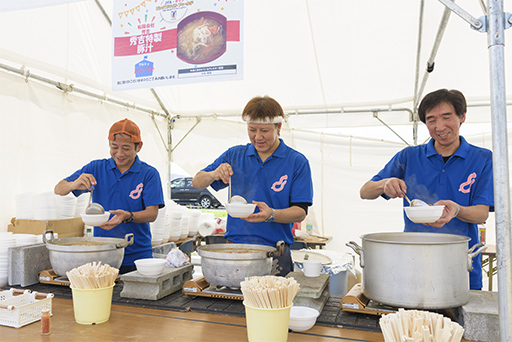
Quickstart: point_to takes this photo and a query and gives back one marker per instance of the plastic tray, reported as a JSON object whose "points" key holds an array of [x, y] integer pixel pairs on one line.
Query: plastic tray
{"points": [[17, 310]]}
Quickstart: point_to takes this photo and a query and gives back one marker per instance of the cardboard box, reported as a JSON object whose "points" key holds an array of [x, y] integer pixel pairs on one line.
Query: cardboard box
{"points": [[64, 228], [353, 279]]}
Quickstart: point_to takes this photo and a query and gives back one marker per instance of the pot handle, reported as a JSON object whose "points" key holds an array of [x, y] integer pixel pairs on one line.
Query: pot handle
{"points": [[279, 250], [128, 240], [471, 254], [48, 231], [358, 249]]}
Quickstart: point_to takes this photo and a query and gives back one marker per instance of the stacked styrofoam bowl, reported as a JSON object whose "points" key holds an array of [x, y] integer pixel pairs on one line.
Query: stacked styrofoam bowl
{"points": [[157, 228], [193, 222], [6, 240], [167, 227], [174, 224], [66, 206], [24, 207], [25, 239], [45, 206], [184, 227]]}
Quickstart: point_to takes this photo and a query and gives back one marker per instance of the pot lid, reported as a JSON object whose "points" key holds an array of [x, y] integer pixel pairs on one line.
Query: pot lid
{"points": [[299, 256]]}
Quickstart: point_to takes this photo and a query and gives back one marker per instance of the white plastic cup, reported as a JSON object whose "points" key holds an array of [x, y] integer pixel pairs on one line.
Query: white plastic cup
{"points": [[312, 268]]}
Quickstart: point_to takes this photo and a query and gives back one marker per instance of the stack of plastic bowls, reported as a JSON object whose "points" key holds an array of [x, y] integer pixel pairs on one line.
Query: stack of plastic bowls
{"points": [[184, 226], [66, 206], [6, 240], [157, 228], [174, 225], [24, 208], [167, 227], [25, 239], [193, 222], [45, 206]]}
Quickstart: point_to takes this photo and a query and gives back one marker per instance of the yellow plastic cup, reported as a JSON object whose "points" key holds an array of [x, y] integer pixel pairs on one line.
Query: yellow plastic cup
{"points": [[92, 306], [269, 325]]}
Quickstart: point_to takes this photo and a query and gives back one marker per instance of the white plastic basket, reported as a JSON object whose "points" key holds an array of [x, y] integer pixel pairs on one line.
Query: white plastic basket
{"points": [[22, 309]]}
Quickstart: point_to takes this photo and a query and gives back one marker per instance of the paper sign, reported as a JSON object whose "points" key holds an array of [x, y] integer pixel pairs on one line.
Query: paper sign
{"points": [[169, 42]]}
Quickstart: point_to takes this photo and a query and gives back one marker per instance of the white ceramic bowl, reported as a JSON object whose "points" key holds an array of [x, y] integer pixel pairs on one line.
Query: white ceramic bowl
{"points": [[150, 266], [95, 220], [241, 210], [302, 318], [428, 214]]}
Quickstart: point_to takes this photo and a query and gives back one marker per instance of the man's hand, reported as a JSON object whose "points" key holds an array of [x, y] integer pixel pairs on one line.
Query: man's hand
{"points": [[118, 218], [262, 215], [395, 187], [223, 172], [450, 210], [84, 182]]}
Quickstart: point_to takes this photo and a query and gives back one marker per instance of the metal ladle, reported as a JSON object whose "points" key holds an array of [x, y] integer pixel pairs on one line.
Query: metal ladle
{"points": [[415, 202], [235, 198], [94, 208]]}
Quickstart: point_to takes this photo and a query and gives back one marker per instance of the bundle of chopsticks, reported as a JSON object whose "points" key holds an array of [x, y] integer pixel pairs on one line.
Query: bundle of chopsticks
{"points": [[269, 292], [92, 276], [419, 326]]}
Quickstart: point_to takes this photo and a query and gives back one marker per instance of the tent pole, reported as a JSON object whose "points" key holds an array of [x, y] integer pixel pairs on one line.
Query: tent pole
{"points": [[495, 40]]}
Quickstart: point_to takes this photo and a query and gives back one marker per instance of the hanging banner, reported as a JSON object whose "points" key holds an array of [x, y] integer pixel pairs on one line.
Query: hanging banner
{"points": [[168, 42]]}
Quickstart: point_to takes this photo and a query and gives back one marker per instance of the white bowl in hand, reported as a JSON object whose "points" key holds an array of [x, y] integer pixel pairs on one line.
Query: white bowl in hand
{"points": [[150, 266], [428, 214], [95, 219], [239, 209], [302, 318]]}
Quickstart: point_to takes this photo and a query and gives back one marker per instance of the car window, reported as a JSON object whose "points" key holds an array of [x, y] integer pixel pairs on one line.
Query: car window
{"points": [[179, 183], [189, 183]]}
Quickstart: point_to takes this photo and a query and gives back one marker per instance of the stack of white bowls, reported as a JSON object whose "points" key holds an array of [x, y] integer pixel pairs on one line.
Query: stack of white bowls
{"points": [[45, 206], [184, 226], [24, 209], [66, 206], [193, 222], [167, 227], [81, 203], [25, 239], [157, 228], [6, 240], [174, 224]]}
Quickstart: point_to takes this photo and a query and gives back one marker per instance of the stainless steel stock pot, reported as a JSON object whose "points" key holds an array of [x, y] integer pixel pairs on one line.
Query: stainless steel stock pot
{"points": [[416, 270]]}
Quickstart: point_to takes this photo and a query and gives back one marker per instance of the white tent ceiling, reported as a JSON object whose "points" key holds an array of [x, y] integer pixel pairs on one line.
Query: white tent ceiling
{"points": [[344, 58]]}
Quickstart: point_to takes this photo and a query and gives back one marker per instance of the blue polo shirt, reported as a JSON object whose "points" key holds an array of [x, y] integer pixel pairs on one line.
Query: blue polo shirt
{"points": [[466, 178], [284, 178], [136, 189]]}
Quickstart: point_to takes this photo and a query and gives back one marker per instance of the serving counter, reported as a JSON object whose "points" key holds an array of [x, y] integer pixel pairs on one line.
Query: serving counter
{"points": [[132, 323]]}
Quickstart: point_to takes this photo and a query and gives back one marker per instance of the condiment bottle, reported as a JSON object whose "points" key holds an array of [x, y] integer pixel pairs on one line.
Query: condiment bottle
{"points": [[45, 322], [309, 228]]}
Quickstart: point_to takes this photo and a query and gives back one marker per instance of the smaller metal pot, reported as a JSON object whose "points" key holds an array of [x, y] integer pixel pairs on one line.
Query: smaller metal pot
{"points": [[230, 268], [72, 252]]}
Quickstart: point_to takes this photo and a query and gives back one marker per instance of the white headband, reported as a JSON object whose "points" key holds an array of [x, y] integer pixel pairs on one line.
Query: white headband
{"points": [[275, 120]]}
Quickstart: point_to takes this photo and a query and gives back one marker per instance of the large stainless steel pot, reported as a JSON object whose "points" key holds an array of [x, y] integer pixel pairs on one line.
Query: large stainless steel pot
{"points": [[223, 268], [71, 252], [416, 270]]}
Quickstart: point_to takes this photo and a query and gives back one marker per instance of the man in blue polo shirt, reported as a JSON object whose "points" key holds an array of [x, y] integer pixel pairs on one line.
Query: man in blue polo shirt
{"points": [[446, 171], [270, 174], [128, 188]]}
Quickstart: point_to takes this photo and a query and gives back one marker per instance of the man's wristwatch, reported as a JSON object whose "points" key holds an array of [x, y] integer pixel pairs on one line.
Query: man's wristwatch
{"points": [[271, 217], [130, 219]]}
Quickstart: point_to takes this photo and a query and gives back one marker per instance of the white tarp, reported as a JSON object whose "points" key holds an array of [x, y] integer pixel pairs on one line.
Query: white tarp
{"points": [[309, 55]]}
